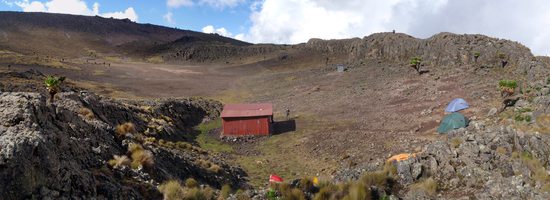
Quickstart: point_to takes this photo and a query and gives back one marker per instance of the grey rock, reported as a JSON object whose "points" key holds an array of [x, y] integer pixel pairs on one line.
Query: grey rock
{"points": [[492, 112]]}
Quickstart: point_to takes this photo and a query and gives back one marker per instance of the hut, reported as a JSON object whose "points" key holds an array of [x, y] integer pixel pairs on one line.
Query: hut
{"points": [[247, 119]]}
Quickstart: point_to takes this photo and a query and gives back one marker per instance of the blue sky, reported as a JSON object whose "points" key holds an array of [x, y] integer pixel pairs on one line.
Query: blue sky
{"points": [[234, 17], [296, 21]]}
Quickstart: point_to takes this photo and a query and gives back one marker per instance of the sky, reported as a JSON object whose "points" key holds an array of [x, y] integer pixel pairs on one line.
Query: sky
{"points": [[296, 21]]}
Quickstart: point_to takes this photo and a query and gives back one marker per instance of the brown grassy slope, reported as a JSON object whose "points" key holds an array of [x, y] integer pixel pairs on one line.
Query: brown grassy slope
{"points": [[72, 35]]}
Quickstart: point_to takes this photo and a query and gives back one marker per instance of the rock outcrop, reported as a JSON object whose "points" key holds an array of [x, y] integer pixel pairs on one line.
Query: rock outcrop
{"points": [[57, 151]]}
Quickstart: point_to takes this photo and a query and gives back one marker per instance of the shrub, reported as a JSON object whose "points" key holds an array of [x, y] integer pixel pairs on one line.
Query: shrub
{"points": [[429, 186], [86, 113], [507, 87], [477, 54], [171, 190], [143, 158], [519, 118], [214, 168], [126, 128], [508, 83], [119, 161], [133, 147], [415, 61], [53, 84], [194, 194], [203, 163], [191, 183]]}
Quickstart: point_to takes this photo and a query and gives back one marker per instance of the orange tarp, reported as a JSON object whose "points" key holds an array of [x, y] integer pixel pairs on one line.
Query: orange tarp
{"points": [[402, 157]]}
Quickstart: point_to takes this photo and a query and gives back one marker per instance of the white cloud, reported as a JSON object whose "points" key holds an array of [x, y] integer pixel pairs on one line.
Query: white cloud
{"points": [[222, 31], [169, 17], [34, 6], [76, 7], [178, 3], [296, 21], [129, 13], [221, 3]]}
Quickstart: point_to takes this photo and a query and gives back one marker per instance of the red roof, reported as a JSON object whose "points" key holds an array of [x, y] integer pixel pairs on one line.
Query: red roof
{"points": [[247, 110]]}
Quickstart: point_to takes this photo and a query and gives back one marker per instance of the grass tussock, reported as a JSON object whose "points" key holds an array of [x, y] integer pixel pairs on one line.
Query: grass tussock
{"points": [[225, 192], [429, 186], [86, 113], [119, 162], [191, 183], [171, 190], [456, 142], [214, 168], [174, 190], [140, 156], [124, 129], [361, 189]]}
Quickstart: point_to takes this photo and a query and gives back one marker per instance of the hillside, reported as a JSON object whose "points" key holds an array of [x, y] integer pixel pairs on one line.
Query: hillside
{"points": [[59, 35], [342, 127]]}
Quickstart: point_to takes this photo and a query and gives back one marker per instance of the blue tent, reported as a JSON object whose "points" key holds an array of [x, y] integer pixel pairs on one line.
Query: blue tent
{"points": [[456, 105]]}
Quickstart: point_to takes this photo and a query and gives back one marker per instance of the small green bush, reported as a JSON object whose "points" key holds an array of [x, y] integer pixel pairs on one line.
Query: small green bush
{"points": [[519, 118], [415, 61], [477, 54], [508, 83]]}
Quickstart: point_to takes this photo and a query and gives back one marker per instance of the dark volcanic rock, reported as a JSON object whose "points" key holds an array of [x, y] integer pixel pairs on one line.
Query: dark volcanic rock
{"points": [[51, 151]]}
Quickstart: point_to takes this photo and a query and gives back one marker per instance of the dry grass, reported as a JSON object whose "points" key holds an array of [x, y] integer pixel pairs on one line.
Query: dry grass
{"points": [[124, 129], [119, 162], [225, 192], [191, 183], [429, 186], [501, 150], [86, 113], [171, 190], [456, 142], [203, 163], [214, 168], [142, 158]]}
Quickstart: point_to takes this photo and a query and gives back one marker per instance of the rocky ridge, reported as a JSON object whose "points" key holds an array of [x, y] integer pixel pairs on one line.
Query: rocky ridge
{"points": [[58, 151]]}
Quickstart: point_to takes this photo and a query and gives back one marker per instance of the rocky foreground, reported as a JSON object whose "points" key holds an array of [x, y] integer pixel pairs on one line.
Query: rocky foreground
{"points": [[62, 150], [65, 150]]}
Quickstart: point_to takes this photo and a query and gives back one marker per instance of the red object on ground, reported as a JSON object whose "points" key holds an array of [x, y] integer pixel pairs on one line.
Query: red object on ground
{"points": [[275, 179], [247, 119]]}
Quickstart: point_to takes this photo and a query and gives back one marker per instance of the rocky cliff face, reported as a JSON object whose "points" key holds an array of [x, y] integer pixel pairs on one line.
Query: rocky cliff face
{"points": [[59, 151]]}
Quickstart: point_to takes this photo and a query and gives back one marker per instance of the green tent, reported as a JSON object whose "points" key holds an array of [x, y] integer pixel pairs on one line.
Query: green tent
{"points": [[452, 121]]}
